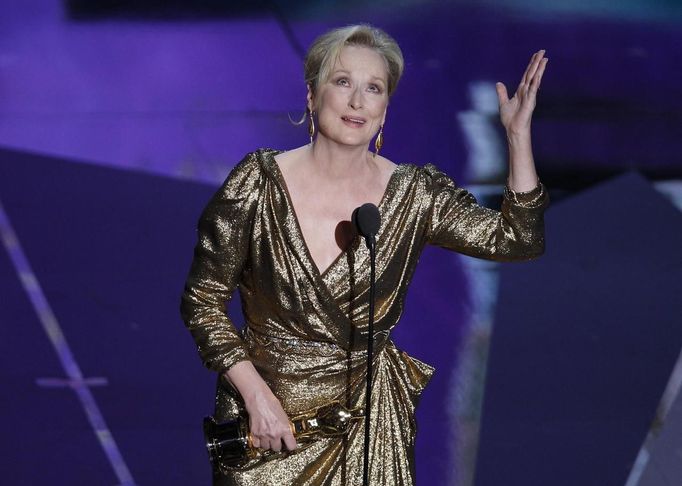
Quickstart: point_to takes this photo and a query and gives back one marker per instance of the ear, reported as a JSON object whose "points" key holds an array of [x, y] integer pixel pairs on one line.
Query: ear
{"points": [[310, 104], [383, 118]]}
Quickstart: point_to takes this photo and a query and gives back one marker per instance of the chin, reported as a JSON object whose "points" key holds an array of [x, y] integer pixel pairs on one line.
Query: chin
{"points": [[350, 141], [355, 143]]}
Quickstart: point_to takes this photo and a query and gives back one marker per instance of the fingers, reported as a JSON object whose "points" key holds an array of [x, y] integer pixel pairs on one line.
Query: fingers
{"points": [[269, 424], [525, 77], [533, 66], [537, 62], [276, 444], [274, 438], [289, 441], [502, 94], [535, 84]]}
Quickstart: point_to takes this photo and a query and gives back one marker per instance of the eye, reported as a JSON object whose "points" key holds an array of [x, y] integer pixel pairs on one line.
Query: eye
{"points": [[342, 82], [374, 88]]}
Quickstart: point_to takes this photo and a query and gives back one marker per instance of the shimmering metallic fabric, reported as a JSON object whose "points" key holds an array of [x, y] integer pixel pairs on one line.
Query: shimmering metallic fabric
{"points": [[307, 331]]}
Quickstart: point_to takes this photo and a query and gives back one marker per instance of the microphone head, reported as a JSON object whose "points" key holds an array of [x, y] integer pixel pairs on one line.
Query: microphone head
{"points": [[367, 219]]}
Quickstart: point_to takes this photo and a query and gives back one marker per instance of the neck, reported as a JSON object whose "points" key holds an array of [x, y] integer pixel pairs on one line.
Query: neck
{"points": [[339, 161]]}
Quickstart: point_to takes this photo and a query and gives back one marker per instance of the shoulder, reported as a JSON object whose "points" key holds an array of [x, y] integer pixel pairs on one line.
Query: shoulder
{"points": [[436, 180], [428, 175], [434, 174], [240, 192], [252, 164], [248, 174], [424, 172], [385, 164], [243, 183], [288, 161], [435, 184]]}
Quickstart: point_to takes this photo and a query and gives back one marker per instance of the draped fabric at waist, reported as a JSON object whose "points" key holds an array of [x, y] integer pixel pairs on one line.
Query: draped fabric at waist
{"points": [[305, 374], [324, 348]]}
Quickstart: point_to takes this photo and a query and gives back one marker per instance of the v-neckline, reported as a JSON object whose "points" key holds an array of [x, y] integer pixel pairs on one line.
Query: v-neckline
{"points": [[285, 189]]}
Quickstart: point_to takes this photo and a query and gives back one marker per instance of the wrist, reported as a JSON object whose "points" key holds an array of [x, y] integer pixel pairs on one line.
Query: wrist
{"points": [[518, 138], [257, 392], [245, 378]]}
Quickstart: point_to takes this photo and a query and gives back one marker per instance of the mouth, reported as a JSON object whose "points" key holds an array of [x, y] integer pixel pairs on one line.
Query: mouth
{"points": [[356, 121]]}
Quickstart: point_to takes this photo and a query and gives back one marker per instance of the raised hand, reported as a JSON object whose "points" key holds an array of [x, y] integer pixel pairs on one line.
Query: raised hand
{"points": [[516, 113]]}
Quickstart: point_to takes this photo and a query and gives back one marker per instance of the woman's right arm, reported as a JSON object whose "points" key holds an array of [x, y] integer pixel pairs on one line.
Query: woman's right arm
{"points": [[220, 256], [219, 259]]}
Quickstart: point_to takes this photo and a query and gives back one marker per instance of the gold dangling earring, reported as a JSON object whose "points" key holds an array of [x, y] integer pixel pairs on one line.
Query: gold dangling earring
{"points": [[311, 126], [379, 142]]}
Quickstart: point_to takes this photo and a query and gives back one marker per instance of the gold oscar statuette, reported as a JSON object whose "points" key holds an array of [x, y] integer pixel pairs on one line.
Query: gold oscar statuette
{"points": [[229, 443]]}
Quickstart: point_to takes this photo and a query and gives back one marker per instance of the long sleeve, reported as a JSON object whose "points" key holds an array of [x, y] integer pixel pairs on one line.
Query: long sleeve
{"points": [[219, 258], [457, 222]]}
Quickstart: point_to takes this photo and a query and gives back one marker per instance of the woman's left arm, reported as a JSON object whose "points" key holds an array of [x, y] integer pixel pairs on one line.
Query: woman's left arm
{"points": [[516, 232], [516, 113]]}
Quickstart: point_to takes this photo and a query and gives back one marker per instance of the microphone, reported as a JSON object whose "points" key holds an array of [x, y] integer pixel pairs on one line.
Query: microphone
{"points": [[367, 220]]}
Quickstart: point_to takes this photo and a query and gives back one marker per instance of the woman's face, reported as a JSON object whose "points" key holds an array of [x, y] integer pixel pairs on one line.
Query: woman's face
{"points": [[351, 105]]}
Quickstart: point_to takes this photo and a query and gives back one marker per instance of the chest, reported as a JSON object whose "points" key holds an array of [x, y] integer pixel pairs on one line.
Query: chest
{"points": [[323, 208], [324, 218]]}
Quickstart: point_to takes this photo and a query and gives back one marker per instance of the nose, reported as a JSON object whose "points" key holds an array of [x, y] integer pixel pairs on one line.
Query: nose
{"points": [[355, 100]]}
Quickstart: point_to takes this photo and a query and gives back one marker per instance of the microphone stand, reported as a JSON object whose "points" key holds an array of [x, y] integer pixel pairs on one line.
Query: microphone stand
{"points": [[367, 220], [371, 243]]}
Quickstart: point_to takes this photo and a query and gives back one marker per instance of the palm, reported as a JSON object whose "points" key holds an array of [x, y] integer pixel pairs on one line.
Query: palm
{"points": [[516, 112]]}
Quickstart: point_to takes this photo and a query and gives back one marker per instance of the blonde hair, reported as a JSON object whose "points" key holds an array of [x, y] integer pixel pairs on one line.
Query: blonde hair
{"points": [[326, 49]]}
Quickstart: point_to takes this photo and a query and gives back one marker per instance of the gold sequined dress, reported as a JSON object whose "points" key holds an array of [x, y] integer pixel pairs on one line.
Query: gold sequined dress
{"points": [[306, 331]]}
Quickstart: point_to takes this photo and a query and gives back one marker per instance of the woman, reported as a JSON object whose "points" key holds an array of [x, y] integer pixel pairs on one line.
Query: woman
{"points": [[279, 230]]}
